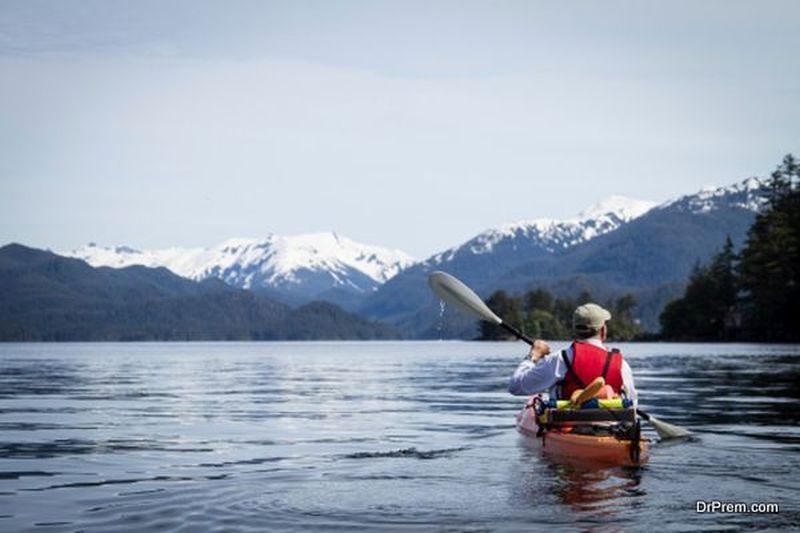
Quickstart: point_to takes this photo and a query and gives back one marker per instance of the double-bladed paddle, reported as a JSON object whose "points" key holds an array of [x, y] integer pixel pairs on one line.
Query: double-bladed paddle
{"points": [[452, 291]]}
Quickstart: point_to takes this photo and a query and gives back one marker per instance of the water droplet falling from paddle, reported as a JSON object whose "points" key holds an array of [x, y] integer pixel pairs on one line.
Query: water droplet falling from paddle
{"points": [[440, 326]]}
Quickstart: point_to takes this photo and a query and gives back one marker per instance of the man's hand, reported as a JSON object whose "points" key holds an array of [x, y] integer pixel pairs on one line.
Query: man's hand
{"points": [[539, 350]]}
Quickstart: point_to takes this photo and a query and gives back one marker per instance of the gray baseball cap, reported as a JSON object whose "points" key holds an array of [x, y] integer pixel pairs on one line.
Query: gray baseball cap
{"points": [[589, 316]]}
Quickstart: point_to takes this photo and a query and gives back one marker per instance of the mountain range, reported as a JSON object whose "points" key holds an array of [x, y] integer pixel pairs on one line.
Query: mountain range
{"points": [[47, 297], [325, 266], [615, 247], [294, 270], [489, 255]]}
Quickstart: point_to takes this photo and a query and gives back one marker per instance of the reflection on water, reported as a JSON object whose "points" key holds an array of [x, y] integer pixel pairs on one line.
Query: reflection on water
{"points": [[597, 494], [266, 436], [586, 489]]}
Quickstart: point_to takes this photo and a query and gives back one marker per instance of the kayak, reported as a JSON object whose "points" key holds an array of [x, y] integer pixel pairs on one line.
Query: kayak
{"points": [[603, 433]]}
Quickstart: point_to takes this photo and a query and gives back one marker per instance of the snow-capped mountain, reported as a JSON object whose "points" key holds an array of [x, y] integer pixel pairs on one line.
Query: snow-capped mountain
{"points": [[494, 252], [619, 246], [554, 235], [750, 194], [299, 268]]}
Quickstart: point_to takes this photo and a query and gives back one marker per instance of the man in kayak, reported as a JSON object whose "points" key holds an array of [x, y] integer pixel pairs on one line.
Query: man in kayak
{"points": [[587, 358]]}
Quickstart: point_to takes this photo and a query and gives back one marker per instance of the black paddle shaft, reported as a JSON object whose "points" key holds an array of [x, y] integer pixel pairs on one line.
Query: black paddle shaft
{"points": [[517, 333]]}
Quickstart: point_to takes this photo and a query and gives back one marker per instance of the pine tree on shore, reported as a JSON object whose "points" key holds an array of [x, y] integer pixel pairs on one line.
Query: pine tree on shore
{"points": [[755, 296], [770, 263], [706, 309]]}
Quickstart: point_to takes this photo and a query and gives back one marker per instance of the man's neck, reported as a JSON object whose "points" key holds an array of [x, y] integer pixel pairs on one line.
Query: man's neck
{"points": [[596, 341]]}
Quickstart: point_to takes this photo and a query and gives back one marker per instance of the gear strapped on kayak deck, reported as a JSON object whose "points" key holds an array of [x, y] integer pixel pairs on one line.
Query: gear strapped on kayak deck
{"points": [[604, 431]]}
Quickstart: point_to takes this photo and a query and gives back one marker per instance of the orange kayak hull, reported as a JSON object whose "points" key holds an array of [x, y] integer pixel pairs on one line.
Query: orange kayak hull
{"points": [[603, 450]]}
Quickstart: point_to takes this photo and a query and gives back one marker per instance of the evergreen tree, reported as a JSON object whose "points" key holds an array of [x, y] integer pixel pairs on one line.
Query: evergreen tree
{"points": [[704, 312], [540, 321], [758, 298], [768, 271], [543, 324], [563, 309], [723, 276], [623, 326], [585, 297], [538, 299], [783, 179]]}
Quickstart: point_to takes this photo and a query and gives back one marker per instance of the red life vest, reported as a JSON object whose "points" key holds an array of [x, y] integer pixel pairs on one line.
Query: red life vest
{"points": [[588, 363]]}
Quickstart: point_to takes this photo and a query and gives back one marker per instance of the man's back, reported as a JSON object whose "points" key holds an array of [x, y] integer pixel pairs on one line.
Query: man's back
{"points": [[549, 371], [587, 358]]}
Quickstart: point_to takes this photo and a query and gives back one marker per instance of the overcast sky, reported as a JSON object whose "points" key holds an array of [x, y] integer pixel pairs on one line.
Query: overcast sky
{"points": [[412, 125]]}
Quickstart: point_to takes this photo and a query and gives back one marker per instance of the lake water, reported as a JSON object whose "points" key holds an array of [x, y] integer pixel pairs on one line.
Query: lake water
{"points": [[349, 436]]}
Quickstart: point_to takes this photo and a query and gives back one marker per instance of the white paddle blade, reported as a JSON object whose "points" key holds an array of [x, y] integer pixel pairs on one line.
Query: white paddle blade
{"points": [[668, 431], [455, 293]]}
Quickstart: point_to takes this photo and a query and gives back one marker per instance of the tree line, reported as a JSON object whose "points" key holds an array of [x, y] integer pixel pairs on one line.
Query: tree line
{"points": [[541, 315], [752, 295]]}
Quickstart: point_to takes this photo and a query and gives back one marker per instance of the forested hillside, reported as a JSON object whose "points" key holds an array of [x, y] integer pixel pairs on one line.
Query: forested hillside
{"points": [[755, 294], [52, 298]]}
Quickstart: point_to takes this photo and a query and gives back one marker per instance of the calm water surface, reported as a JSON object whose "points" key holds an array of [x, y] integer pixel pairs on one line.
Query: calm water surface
{"points": [[404, 436]]}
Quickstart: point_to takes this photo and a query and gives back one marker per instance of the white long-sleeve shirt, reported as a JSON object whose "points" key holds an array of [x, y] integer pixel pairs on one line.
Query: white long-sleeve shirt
{"points": [[542, 376]]}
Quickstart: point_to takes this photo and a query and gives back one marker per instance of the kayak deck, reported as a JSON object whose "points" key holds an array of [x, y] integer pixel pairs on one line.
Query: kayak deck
{"points": [[593, 449]]}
